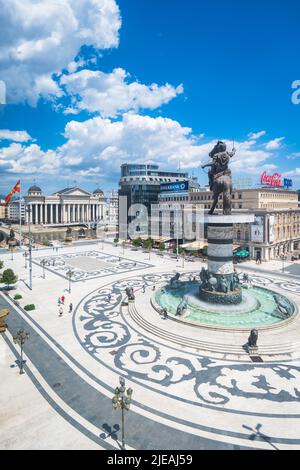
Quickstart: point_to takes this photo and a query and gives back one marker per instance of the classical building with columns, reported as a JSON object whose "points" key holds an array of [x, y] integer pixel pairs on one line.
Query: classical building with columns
{"points": [[68, 206]]}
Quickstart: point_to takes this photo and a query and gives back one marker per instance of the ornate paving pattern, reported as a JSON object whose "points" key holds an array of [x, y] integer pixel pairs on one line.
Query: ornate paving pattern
{"points": [[89, 265], [248, 388]]}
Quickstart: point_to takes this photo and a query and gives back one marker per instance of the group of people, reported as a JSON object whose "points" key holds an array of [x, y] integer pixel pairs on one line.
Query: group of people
{"points": [[61, 302]]}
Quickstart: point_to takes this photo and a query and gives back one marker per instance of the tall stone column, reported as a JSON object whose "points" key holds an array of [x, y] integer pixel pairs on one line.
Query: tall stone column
{"points": [[220, 240]]}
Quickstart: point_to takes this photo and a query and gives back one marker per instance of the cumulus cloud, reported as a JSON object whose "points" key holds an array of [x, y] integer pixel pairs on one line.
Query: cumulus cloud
{"points": [[275, 144], [256, 135], [41, 38], [98, 146], [16, 136], [111, 94]]}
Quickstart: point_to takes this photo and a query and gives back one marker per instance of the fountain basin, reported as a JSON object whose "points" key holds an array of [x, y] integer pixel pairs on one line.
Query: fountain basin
{"points": [[258, 307]]}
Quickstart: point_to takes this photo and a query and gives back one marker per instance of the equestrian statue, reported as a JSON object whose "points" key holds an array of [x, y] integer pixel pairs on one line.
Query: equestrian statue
{"points": [[220, 181]]}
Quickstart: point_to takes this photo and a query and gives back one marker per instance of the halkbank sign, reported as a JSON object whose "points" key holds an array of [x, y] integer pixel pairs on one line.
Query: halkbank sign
{"points": [[175, 187]]}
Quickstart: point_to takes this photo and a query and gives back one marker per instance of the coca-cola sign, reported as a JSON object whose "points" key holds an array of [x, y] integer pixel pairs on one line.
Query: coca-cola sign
{"points": [[270, 180]]}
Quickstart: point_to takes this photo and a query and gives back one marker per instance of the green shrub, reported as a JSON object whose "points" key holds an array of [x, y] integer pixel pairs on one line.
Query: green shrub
{"points": [[1, 264], [29, 307], [8, 277], [148, 244], [137, 242], [18, 297], [162, 247]]}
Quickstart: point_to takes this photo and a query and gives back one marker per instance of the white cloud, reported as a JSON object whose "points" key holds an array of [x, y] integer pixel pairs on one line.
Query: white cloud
{"points": [[275, 144], [40, 38], [111, 94], [99, 146], [256, 135], [16, 136]]}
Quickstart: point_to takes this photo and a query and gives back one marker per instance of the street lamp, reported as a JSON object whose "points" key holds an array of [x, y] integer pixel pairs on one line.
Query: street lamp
{"points": [[20, 337], [283, 257], [28, 210], [25, 259], [43, 263], [122, 401], [69, 275]]}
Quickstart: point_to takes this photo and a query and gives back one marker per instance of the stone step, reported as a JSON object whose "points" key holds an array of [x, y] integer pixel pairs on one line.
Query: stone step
{"points": [[267, 349]]}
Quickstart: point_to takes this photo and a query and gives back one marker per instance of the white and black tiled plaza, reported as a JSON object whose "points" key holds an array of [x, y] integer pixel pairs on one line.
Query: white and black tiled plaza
{"points": [[185, 396]]}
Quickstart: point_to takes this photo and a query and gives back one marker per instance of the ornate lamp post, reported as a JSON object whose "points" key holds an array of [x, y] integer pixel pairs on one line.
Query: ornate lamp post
{"points": [[69, 275], [121, 401], [20, 338], [43, 264]]}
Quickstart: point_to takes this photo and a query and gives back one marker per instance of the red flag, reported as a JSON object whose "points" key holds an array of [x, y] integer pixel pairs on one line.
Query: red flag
{"points": [[15, 189]]}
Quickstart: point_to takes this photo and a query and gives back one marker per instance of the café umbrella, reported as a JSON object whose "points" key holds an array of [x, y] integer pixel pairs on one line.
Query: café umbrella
{"points": [[242, 254]]}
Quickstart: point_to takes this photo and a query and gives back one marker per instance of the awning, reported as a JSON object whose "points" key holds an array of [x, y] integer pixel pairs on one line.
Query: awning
{"points": [[236, 247], [242, 254], [156, 238], [196, 245]]}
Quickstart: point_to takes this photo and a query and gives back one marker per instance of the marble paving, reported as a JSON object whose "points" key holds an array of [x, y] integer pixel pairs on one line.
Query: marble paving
{"points": [[182, 398], [89, 264]]}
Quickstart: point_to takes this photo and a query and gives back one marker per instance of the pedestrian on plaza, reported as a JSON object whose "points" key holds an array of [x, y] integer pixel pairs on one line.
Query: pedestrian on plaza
{"points": [[153, 288], [144, 289], [119, 259], [59, 301], [165, 314], [109, 297], [60, 311], [71, 308], [63, 299]]}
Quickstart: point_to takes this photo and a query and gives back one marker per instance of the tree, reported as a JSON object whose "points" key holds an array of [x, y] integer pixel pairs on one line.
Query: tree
{"points": [[147, 244], [137, 242], [1, 264], [8, 277]]}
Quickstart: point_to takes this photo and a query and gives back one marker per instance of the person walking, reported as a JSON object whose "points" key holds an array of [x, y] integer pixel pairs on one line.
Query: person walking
{"points": [[60, 311], [109, 297], [71, 308], [63, 299], [144, 289], [59, 301]]}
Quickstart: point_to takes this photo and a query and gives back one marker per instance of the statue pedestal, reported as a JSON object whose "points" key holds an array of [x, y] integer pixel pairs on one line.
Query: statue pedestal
{"points": [[220, 240], [223, 286]]}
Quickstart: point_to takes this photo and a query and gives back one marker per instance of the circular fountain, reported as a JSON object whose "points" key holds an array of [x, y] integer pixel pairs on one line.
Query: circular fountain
{"points": [[222, 297], [259, 307]]}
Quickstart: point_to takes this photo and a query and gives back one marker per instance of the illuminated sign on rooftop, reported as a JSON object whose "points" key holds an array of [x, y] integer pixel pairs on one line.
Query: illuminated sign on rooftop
{"points": [[275, 180]]}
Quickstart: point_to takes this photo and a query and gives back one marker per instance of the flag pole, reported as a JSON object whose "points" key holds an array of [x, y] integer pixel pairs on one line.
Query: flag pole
{"points": [[20, 215]]}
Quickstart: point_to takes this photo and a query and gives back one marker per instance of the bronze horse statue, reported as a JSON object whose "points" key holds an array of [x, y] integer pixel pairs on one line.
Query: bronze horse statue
{"points": [[220, 181]]}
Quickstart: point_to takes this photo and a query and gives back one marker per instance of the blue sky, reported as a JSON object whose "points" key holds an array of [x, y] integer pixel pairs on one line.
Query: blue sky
{"points": [[80, 101]]}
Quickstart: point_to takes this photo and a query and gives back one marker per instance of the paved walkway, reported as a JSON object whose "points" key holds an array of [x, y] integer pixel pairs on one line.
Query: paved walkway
{"points": [[181, 399]]}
